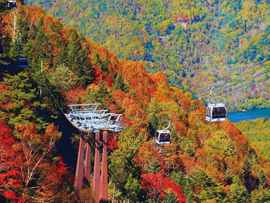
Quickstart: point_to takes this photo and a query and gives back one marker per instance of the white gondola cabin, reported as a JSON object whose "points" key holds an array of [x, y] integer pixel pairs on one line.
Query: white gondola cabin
{"points": [[216, 112], [163, 137], [12, 4], [23, 62]]}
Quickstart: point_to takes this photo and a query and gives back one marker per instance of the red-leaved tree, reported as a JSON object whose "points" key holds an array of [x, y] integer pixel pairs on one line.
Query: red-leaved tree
{"points": [[158, 186], [10, 180]]}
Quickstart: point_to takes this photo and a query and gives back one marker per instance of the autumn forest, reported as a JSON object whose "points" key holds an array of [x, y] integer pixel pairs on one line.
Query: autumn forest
{"points": [[145, 82], [196, 43]]}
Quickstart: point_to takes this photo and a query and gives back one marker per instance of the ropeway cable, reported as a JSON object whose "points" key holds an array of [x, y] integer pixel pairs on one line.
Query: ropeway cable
{"points": [[54, 98]]}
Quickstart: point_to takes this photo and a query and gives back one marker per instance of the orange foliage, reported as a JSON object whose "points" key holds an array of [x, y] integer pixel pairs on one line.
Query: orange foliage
{"points": [[126, 102], [180, 128], [114, 62], [75, 95], [240, 141], [48, 19], [196, 117], [265, 165], [170, 157], [233, 166], [215, 168], [163, 94], [136, 77], [183, 100], [230, 129], [187, 162], [102, 52], [146, 154], [159, 78]]}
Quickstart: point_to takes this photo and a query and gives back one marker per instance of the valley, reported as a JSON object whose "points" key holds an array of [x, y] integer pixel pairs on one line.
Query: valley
{"points": [[196, 43]]}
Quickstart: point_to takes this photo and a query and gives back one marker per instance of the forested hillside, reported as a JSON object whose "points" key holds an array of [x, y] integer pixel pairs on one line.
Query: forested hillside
{"points": [[198, 43], [258, 131], [206, 162]]}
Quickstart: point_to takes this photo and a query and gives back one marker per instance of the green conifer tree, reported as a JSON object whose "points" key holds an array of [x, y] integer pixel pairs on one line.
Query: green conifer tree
{"points": [[154, 166], [170, 198], [14, 50], [153, 124], [193, 106], [23, 29], [260, 195], [119, 84], [101, 95], [38, 48], [21, 100], [96, 60], [77, 59], [210, 189], [188, 189], [238, 192], [262, 178]]}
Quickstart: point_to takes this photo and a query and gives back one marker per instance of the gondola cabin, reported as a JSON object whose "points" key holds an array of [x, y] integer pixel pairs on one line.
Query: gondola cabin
{"points": [[12, 4], [23, 63], [163, 137], [216, 112]]}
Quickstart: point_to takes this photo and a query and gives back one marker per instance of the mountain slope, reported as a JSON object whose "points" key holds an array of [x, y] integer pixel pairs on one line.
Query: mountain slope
{"points": [[205, 162], [201, 43], [258, 132]]}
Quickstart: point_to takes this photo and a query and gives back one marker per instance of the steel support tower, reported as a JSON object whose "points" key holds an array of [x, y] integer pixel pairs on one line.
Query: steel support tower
{"points": [[86, 118]]}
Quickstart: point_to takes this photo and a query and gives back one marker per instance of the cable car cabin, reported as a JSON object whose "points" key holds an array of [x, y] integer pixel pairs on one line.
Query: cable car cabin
{"points": [[216, 112], [163, 137], [12, 4], [23, 62]]}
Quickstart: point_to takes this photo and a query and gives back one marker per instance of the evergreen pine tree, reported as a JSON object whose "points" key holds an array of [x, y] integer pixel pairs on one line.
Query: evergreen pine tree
{"points": [[96, 60], [260, 195], [38, 48], [74, 48], [193, 106], [238, 192], [14, 50], [262, 178], [210, 189], [119, 84], [19, 100], [104, 65], [154, 166], [190, 197], [101, 95], [179, 178], [188, 189], [170, 198], [23, 29], [6, 44], [63, 55], [247, 165], [77, 59], [153, 124], [27, 47]]}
